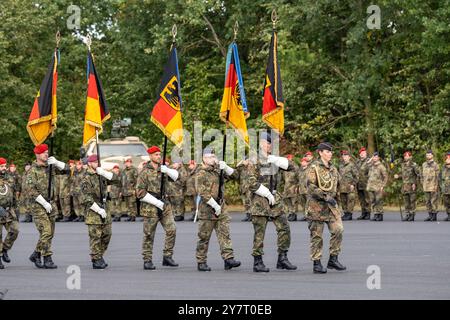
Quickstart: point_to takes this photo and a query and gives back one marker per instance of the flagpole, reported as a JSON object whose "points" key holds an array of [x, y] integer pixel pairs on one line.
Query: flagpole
{"points": [[274, 30], [100, 180]]}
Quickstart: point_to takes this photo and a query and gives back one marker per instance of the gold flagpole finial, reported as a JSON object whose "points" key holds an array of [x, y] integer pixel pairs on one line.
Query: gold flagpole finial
{"points": [[236, 28], [174, 32], [274, 18], [58, 38], [89, 41]]}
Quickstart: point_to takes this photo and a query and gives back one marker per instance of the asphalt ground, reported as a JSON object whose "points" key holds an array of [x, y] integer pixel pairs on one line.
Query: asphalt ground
{"points": [[411, 260]]}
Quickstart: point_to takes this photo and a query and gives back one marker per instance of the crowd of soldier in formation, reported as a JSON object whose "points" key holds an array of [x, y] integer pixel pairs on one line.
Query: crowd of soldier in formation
{"points": [[273, 189]]}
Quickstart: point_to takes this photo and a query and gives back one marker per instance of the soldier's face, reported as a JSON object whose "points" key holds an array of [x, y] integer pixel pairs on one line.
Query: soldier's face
{"points": [[346, 158], [304, 164], [309, 157], [429, 156], [2, 168], [43, 157], [376, 159], [128, 164], [447, 160], [407, 157], [156, 157], [326, 155], [93, 165], [27, 167], [116, 171], [210, 160], [79, 166], [266, 147], [12, 169], [363, 154]]}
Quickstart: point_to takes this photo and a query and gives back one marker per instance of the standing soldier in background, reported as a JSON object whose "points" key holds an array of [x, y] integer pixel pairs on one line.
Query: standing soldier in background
{"points": [[363, 166], [302, 187], [8, 217], [129, 179], [17, 185], [190, 188], [378, 179], [23, 205], [115, 196], [430, 175], [213, 215], [445, 184], [43, 209], [309, 156], [410, 180], [64, 193], [290, 190], [175, 190], [322, 208], [243, 172], [76, 191], [348, 179]]}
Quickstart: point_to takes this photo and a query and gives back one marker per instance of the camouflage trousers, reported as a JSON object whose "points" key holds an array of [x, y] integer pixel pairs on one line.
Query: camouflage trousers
{"points": [[447, 203], [364, 201], [130, 206], [316, 237], [301, 203], [170, 229], [222, 228], [431, 201], [246, 202], [12, 231], [409, 201], [99, 237], [115, 207], [177, 204], [290, 205], [46, 228], [282, 229], [64, 202], [347, 201], [376, 201], [190, 201]]}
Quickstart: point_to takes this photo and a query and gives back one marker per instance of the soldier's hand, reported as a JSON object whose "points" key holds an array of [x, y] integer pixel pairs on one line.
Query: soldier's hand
{"points": [[352, 188], [53, 161], [331, 201], [102, 213], [47, 206], [271, 199], [396, 176]]}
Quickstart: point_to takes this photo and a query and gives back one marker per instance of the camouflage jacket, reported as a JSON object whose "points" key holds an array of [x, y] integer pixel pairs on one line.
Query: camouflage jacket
{"points": [[7, 198], [363, 173], [129, 178], [302, 180], [445, 179], [77, 180], [322, 183], [430, 176], [348, 176], [410, 176], [149, 180], [64, 185], [176, 188], [290, 182], [244, 174], [115, 189], [190, 181], [90, 187], [207, 187], [378, 177], [37, 184]]}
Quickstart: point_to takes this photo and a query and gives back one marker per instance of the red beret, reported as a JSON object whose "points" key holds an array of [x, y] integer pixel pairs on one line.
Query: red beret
{"points": [[309, 153], [71, 161], [129, 160], [191, 162], [344, 153], [116, 167], [362, 149], [2, 161], [41, 148], [407, 153], [92, 158], [153, 149], [290, 156], [304, 159], [12, 165]]}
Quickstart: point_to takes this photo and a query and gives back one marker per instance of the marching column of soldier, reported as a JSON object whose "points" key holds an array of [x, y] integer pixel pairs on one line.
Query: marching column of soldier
{"points": [[272, 189]]}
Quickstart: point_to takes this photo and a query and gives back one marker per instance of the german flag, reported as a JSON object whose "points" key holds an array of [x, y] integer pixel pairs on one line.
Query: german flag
{"points": [[166, 113], [96, 108], [273, 102], [234, 105], [43, 116]]}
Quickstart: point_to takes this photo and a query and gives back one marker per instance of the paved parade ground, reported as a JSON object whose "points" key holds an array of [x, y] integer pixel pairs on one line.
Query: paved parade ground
{"points": [[413, 261]]}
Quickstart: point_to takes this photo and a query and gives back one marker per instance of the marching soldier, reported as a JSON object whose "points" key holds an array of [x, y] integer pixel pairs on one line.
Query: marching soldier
{"points": [[129, 179], [410, 180], [156, 210], [290, 192], [64, 193], [189, 194], [43, 209], [430, 184], [23, 205], [212, 214], [175, 190], [8, 217], [445, 184], [322, 208], [266, 206], [97, 218], [302, 188], [243, 173], [378, 179], [348, 174], [115, 196], [309, 156], [76, 192], [363, 166]]}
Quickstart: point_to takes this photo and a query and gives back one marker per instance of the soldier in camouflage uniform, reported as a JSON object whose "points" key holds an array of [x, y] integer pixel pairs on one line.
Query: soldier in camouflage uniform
{"points": [[43, 209], [189, 194], [17, 187], [266, 205], [154, 209], [97, 218], [8, 218], [410, 180], [129, 179], [213, 213], [430, 184], [64, 194], [76, 192], [378, 179], [290, 190], [243, 173], [23, 206], [302, 188], [309, 156], [115, 196], [445, 185], [363, 166], [348, 179], [322, 208], [175, 190]]}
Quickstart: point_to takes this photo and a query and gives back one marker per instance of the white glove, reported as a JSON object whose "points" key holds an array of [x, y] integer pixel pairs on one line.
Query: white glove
{"points": [[213, 203], [172, 173], [264, 192], [223, 166], [59, 164], [47, 206], [96, 208], [152, 200], [100, 171], [280, 162]]}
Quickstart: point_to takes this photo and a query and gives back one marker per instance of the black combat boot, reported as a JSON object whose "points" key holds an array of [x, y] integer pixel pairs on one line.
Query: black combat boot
{"points": [[98, 264], [284, 263], [407, 217], [434, 216], [131, 219], [302, 218], [1, 265], [103, 262], [116, 219], [5, 256], [66, 219], [36, 259], [231, 263], [411, 217], [179, 218], [375, 217], [430, 217], [169, 262], [333, 263], [191, 218], [203, 267], [247, 217], [292, 217], [28, 218], [347, 216], [148, 265], [380, 217], [318, 268], [258, 265], [48, 263]]}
